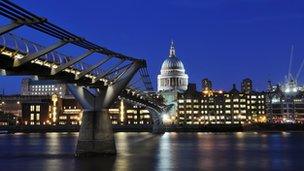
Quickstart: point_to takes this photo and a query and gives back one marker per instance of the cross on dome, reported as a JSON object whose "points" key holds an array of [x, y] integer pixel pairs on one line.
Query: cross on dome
{"points": [[172, 50]]}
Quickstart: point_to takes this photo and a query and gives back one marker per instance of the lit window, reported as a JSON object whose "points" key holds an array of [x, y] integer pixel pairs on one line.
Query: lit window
{"points": [[32, 108], [32, 117], [37, 117], [180, 101], [37, 108]]}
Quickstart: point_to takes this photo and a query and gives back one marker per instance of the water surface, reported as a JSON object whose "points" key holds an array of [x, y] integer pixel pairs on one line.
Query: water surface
{"points": [[171, 151]]}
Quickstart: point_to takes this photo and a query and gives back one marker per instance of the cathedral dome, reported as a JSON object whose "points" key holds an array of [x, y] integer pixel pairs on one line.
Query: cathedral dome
{"points": [[172, 74], [172, 63]]}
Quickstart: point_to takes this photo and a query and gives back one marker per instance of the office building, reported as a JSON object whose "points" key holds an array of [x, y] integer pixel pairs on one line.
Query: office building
{"points": [[219, 107], [34, 87], [122, 113]]}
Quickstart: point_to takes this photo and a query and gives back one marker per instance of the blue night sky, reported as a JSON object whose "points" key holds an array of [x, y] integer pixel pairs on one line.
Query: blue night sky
{"points": [[223, 40]]}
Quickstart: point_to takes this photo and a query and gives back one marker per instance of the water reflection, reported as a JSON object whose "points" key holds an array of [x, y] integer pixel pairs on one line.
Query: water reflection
{"points": [[171, 151], [165, 159]]}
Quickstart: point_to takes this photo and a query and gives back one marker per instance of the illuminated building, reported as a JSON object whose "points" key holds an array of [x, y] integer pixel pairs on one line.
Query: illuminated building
{"points": [[7, 119], [218, 107], [71, 112], [285, 103], [172, 74], [11, 104], [42, 110], [172, 80], [14, 104], [36, 111], [43, 88], [63, 110], [122, 113]]}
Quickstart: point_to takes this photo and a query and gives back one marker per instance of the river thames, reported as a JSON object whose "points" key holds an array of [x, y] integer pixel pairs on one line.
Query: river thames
{"points": [[171, 151]]}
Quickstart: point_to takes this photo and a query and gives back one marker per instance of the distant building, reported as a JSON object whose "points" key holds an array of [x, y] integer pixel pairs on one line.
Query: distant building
{"points": [[246, 86], [172, 80], [172, 74], [206, 85], [13, 103], [42, 110], [37, 112], [285, 103], [122, 113], [71, 112], [218, 107], [7, 119], [53, 110], [33, 87]]}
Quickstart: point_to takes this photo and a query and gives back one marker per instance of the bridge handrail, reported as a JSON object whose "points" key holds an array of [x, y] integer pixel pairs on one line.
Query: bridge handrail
{"points": [[12, 42]]}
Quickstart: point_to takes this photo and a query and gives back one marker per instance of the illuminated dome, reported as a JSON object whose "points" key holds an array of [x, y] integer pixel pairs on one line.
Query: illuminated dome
{"points": [[172, 74], [172, 63]]}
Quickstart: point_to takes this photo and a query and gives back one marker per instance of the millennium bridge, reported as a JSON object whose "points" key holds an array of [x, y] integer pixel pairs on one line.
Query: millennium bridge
{"points": [[96, 86]]}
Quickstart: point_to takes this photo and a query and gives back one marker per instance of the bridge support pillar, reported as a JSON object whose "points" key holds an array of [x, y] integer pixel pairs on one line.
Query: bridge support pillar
{"points": [[96, 135], [158, 125]]}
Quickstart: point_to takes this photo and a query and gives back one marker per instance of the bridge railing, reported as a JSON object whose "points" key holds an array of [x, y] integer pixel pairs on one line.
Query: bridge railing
{"points": [[22, 47]]}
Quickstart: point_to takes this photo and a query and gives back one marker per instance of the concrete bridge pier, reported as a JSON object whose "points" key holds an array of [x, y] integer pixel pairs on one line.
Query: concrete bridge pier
{"points": [[96, 133]]}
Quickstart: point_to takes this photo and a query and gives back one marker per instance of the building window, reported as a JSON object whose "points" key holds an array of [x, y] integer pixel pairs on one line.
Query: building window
{"points": [[32, 117], [180, 101], [63, 117], [227, 111], [38, 117], [32, 108], [37, 108]]}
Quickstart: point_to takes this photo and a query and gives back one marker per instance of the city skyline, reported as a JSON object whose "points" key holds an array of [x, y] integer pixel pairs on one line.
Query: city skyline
{"points": [[248, 39], [227, 76]]}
